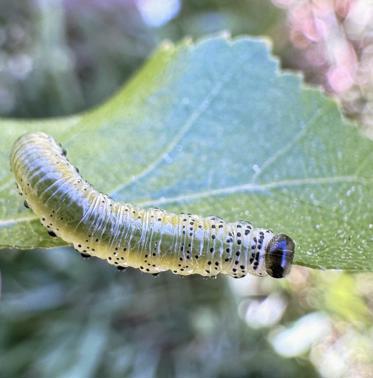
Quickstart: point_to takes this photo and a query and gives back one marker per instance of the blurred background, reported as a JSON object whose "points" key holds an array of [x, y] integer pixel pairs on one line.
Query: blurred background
{"points": [[62, 316]]}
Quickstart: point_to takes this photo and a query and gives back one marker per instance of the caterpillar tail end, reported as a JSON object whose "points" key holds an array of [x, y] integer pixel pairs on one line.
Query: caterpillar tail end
{"points": [[279, 256]]}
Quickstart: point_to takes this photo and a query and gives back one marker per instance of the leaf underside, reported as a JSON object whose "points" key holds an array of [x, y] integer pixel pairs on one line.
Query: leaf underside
{"points": [[214, 128]]}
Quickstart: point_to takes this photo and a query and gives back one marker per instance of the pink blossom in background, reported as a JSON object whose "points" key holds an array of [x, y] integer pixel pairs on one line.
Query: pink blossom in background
{"points": [[335, 41], [339, 79], [342, 7]]}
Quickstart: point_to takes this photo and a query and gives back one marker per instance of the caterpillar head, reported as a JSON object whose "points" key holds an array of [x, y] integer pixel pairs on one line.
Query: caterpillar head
{"points": [[279, 256]]}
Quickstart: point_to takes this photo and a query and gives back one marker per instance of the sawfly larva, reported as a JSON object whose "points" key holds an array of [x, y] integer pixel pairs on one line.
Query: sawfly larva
{"points": [[149, 239]]}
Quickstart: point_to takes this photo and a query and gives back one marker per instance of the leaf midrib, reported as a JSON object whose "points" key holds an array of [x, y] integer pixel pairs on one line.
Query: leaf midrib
{"points": [[248, 187]]}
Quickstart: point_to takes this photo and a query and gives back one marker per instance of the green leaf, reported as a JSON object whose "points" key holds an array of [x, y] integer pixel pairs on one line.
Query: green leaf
{"points": [[215, 128]]}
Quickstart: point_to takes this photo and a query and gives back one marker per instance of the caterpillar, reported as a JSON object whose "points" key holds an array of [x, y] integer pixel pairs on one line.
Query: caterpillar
{"points": [[149, 239]]}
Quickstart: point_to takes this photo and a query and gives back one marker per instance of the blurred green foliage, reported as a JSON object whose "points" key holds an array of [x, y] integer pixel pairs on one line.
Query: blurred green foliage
{"points": [[61, 316], [63, 57]]}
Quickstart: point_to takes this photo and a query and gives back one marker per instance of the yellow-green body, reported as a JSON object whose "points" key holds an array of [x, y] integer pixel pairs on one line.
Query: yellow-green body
{"points": [[151, 240]]}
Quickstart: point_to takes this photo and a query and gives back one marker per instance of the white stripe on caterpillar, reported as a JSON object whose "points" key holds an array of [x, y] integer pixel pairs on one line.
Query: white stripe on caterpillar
{"points": [[151, 240]]}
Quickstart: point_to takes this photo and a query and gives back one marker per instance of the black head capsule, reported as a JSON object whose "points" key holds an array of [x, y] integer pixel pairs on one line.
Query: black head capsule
{"points": [[279, 256]]}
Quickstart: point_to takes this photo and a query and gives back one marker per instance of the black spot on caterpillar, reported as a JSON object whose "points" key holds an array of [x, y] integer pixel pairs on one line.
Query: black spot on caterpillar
{"points": [[51, 233], [151, 240]]}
